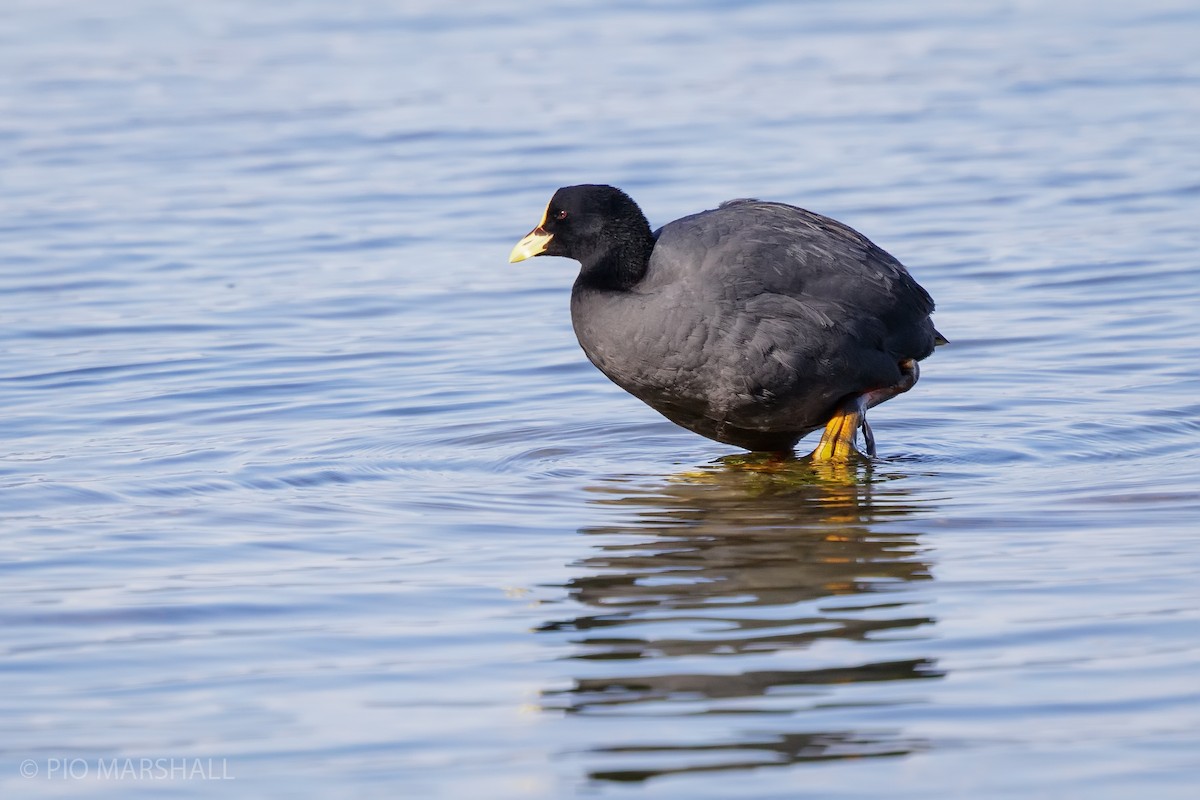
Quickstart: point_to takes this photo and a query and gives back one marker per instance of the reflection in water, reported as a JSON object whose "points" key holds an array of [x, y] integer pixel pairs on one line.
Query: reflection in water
{"points": [[744, 593]]}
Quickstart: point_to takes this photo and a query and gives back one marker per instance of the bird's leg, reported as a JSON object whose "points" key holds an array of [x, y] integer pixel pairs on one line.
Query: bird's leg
{"points": [[868, 436], [837, 442], [909, 374]]}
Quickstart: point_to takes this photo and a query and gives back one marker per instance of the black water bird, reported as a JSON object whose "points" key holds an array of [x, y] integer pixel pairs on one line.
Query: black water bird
{"points": [[753, 324]]}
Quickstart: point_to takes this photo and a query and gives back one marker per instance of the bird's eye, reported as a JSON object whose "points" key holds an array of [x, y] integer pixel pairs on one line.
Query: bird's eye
{"points": [[561, 215]]}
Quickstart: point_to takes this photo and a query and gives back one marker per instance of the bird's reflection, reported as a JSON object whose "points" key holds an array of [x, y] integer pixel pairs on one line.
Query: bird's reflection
{"points": [[743, 593]]}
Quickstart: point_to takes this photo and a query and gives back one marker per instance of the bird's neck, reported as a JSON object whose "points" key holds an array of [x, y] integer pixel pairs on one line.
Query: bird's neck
{"points": [[620, 267]]}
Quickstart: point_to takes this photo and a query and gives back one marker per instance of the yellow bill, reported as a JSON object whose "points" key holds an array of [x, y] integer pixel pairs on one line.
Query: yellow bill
{"points": [[536, 241]]}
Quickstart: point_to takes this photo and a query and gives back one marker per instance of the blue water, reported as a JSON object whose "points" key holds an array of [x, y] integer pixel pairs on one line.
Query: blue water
{"points": [[302, 482]]}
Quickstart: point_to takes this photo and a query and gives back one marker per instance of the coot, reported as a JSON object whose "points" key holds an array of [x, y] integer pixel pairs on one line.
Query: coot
{"points": [[753, 324]]}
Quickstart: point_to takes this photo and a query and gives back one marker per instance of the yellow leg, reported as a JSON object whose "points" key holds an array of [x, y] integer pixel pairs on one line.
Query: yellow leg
{"points": [[837, 442]]}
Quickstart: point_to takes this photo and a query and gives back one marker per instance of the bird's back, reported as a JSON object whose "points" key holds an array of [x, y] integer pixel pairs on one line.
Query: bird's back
{"points": [[746, 248]]}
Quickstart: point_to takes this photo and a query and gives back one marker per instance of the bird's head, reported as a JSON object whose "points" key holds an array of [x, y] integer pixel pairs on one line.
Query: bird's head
{"points": [[584, 223]]}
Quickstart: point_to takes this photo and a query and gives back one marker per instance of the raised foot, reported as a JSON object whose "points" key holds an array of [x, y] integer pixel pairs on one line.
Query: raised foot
{"points": [[910, 373]]}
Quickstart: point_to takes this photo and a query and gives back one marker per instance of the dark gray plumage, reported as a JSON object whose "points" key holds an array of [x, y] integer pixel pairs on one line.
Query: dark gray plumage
{"points": [[749, 324]]}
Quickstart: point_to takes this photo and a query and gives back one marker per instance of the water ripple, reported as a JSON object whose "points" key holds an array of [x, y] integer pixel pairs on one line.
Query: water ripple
{"points": [[297, 464]]}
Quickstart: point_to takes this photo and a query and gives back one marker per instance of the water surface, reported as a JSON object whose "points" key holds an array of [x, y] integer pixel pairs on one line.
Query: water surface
{"points": [[299, 475]]}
